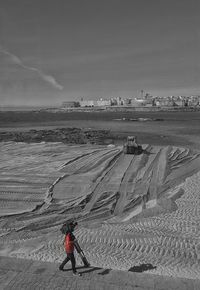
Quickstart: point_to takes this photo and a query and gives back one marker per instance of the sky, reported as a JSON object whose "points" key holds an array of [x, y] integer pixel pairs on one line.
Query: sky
{"points": [[58, 50]]}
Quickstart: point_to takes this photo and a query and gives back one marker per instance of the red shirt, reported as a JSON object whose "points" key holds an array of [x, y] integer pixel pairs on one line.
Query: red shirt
{"points": [[69, 243]]}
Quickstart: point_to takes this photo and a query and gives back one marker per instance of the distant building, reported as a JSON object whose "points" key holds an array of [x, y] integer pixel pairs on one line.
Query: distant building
{"points": [[113, 101], [194, 100], [127, 102], [102, 102], [70, 104], [137, 102], [87, 103], [120, 101], [147, 101]]}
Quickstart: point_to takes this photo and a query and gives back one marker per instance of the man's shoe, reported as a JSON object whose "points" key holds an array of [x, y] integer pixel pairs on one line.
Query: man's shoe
{"points": [[77, 274], [60, 268]]}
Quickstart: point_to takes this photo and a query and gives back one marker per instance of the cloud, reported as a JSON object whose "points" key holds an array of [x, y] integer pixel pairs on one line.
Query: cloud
{"points": [[50, 80], [47, 78]]}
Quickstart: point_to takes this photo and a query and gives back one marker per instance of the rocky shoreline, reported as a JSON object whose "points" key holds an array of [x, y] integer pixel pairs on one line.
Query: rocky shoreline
{"points": [[64, 135]]}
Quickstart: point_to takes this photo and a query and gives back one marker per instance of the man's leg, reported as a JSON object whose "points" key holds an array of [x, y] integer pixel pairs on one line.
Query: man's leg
{"points": [[73, 261], [64, 262]]}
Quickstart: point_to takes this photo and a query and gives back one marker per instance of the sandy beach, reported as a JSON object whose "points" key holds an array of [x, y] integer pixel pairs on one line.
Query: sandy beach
{"points": [[133, 211]]}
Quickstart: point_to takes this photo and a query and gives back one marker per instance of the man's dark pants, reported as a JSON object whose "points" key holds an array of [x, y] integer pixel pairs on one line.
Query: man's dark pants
{"points": [[70, 256]]}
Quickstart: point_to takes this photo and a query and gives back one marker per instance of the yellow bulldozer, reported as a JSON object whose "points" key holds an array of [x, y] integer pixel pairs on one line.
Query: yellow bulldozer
{"points": [[131, 146]]}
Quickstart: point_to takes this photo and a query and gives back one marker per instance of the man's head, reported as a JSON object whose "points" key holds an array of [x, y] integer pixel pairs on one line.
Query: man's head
{"points": [[72, 226]]}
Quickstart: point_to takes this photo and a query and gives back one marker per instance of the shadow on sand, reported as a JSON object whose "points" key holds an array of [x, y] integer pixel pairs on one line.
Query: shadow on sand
{"points": [[89, 270], [70, 269], [142, 268], [144, 151], [106, 271]]}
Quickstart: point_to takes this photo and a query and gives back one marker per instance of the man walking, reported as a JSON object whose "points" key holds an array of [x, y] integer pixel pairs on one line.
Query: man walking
{"points": [[69, 248]]}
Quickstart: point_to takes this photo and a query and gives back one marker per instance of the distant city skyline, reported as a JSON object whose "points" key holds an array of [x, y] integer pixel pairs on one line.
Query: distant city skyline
{"points": [[57, 50]]}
